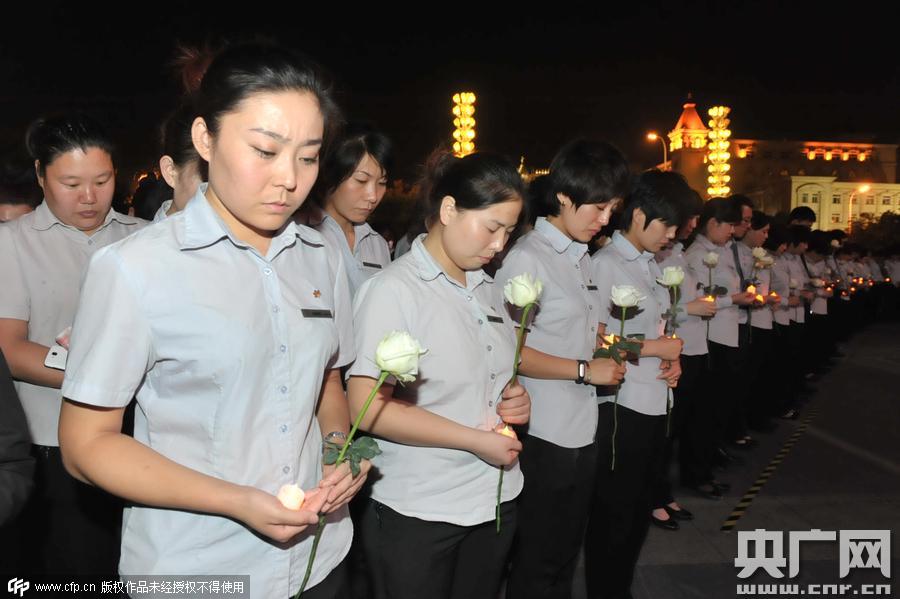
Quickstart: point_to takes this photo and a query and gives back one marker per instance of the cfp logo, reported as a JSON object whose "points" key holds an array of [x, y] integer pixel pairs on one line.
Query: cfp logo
{"points": [[858, 549], [17, 586]]}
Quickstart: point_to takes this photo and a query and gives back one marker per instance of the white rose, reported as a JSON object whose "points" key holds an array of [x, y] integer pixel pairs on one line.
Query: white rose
{"points": [[793, 284], [626, 296], [766, 261], [672, 276], [711, 259], [835, 243], [523, 290], [817, 282], [759, 253], [291, 496], [398, 354]]}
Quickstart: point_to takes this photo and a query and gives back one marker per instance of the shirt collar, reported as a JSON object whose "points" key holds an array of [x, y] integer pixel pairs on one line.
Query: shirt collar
{"points": [[317, 216], [627, 250], [706, 244], [428, 268], [203, 227], [558, 241], [44, 219]]}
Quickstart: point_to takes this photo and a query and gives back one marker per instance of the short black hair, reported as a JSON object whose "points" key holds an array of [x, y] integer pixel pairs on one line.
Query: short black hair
{"points": [[587, 172], [820, 243], [49, 137], [802, 213], [351, 145], [797, 234], [759, 220], [742, 200], [777, 236], [721, 209], [659, 195]]}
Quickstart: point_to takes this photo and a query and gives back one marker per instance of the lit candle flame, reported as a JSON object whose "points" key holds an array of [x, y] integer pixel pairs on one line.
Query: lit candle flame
{"points": [[751, 289], [506, 431]]}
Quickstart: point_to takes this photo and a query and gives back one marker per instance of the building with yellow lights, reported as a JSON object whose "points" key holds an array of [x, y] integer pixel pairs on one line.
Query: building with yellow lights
{"points": [[835, 179]]}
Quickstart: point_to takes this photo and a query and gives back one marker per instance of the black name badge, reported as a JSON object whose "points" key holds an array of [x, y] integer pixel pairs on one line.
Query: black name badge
{"points": [[592, 288], [372, 265], [497, 319], [313, 313]]}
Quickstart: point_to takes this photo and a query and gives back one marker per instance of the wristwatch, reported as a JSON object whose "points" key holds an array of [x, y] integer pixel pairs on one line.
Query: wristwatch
{"points": [[336, 437], [582, 371]]}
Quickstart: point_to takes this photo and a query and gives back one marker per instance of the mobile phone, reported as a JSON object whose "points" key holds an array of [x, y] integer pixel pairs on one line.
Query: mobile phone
{"points": [[56, 357]]}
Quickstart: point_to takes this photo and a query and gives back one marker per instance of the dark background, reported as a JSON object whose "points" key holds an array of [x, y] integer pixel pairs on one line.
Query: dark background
{"points": [[542, 73]]}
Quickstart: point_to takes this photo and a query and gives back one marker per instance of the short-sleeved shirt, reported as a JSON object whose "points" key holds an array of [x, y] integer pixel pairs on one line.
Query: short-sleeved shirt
{"points": [[797, 273], [780, 283], [723, 327], [691, 329], [617, 264], [42, 262], [471, 347], [226, 350], [370, 253], [819, 304], [564, 325], [758, 316]]}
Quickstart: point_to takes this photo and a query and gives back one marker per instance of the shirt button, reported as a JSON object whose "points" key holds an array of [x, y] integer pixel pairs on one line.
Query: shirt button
{"points": [[283, 389], [284, 428], [90, 242], [490, 347], [286, 469], [583, 287], [592, 329], [490, 403], [469, 297], [274, 308], [283, 348], [267, 270], [577, 266], [590, 307], [493, 376], [480, 321]]}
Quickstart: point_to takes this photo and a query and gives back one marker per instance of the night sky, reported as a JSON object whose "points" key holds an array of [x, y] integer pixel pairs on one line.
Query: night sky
{"points": [[788, 70]]}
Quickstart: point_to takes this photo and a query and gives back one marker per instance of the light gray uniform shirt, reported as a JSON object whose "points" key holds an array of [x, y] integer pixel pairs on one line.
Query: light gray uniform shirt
{"points": [[471, 345], [42, 262], [370, 253], [723, 327], [617, 264], [564, 325], [691, 329], [225, 350]]}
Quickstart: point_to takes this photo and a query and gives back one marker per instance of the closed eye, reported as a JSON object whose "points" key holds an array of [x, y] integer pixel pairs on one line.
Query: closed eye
{"points": [[263, 153]]}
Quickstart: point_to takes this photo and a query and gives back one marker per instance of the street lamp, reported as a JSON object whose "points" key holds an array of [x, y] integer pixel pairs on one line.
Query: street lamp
{"points": [[652, 136], [861, 189]]}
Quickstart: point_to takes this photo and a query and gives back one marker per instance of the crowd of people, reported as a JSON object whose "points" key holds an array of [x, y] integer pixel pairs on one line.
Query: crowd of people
{"points": [[166, 379]]}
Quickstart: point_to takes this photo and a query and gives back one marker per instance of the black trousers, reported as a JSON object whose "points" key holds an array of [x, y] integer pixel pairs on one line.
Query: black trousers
{"points": [[694, 409], [620, 512], [72, 528], [412, 558], [553, 514], [759, 381], [725, 365], [335, 585]]}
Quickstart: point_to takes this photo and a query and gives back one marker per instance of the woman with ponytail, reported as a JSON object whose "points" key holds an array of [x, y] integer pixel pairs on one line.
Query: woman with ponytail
{"points": [[238, 384], [429, 528]]}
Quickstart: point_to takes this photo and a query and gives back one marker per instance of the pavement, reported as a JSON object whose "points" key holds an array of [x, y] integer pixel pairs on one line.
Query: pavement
{"points": [[837, 469]]}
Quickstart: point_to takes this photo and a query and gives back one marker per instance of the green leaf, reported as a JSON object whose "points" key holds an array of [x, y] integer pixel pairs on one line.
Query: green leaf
{"points": [[330, 453], [354, 466], [630, 346], [366, 448], [602, 352], [639, 336]]}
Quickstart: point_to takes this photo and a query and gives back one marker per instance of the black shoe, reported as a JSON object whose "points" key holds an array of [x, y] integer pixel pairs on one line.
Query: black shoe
{"points": [[709, 491], [791, 414], [764, 427], [669, 524], [722, 487], [744, 444], [723, 457], [679, 514]]}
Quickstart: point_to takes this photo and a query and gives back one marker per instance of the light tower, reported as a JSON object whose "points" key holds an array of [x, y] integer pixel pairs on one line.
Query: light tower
{"points": [[464, 134], [718, 155]]}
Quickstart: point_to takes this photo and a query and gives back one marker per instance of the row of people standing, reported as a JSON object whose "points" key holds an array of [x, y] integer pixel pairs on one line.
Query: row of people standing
{"points": [[238, 330]]}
